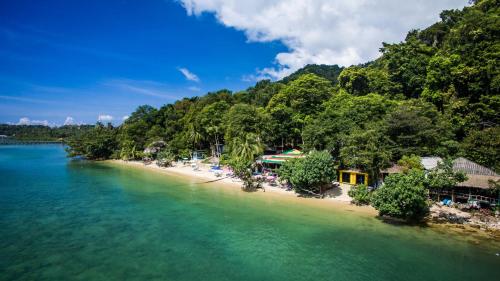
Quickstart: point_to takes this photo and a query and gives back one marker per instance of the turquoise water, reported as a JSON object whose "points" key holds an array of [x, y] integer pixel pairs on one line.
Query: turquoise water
{"points": [[75, 220]]}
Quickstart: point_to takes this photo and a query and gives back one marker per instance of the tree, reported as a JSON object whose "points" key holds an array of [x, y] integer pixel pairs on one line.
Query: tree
{"points": [[242, 119], [444, 177], [243, 153], [360, 194], [99, 144], [354, 80], [297, 102], [412, 162], [402, 196], [310, 174], [366, 150], [482, 146]]}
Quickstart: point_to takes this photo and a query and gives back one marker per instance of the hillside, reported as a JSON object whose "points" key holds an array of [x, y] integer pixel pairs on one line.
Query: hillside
{"points": [[436, 93]]}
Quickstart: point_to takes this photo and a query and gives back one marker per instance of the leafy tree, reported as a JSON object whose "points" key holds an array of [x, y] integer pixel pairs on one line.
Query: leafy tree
{"points": [[402, 196], [412, 162], [99, 144], [444, 177], [242, 119], [309, 174], [354, 80], [297, 102], [483, 147], [366, 150], [360, 194]]}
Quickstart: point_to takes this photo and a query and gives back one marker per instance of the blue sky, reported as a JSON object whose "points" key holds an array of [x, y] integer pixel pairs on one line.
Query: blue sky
{"points": [[85, 59], [88, 58]]}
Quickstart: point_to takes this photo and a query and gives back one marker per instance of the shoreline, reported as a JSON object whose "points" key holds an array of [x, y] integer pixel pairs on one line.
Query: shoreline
{"points": [[341, 202]]}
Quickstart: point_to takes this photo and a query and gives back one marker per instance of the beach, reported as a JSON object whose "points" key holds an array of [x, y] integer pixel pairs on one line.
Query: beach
{"points": [[335, 198]]}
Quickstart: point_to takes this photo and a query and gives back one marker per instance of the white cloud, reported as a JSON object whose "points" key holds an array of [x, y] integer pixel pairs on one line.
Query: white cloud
{"points": [[189, 75], [24, 121], [105, 118], [69, 121], [323, 31], [27, 121], [124, 118]]}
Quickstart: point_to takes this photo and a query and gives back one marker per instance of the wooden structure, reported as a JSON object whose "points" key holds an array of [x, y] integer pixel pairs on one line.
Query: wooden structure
{"points": [[353, 177]]}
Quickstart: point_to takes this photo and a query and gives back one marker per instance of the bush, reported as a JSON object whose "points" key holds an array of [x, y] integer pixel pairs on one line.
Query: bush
{"points": [[165, 158], [360, 194], [309, 174], [403, 196]]}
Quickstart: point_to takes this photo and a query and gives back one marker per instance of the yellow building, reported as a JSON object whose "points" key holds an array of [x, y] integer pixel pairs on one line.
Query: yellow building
{"points": [[353, 177]]}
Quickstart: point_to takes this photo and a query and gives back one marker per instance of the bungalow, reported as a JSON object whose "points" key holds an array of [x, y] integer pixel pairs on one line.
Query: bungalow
{"points": [[353, 177], [477, 185]]}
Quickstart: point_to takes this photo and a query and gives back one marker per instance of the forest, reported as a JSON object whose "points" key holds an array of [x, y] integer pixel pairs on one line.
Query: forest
{"points": [[434, 94], [43, 133]]}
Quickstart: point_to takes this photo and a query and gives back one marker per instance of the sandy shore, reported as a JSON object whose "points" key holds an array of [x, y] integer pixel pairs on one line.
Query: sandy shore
{"points": [[336, 198]]}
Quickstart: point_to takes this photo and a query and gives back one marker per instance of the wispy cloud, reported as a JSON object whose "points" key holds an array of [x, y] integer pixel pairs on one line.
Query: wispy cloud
{"points": [[23, 99], [147, 88], [189, 75], [104, 118]]}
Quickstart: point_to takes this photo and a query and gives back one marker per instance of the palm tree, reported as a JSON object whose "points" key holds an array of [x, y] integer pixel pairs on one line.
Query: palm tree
{"points": [[247, 148]]}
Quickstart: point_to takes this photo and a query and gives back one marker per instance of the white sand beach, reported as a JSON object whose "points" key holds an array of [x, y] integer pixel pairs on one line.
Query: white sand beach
{"points": [[204, 174]]}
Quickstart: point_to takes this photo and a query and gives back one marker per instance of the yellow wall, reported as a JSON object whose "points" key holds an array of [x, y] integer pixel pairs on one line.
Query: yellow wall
{"points": [[352, 176]]}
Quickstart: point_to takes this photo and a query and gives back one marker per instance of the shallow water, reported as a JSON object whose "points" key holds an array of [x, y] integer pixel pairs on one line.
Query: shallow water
{"points": [[63, 220]]}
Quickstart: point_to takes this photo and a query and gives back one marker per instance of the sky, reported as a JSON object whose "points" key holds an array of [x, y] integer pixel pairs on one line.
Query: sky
{"points": [[76, 62]]}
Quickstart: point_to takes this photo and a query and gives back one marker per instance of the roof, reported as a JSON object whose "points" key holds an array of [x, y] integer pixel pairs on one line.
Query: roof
{"points": [[280, 158], [430, 163], [478, 176], [478, 181], [471, 168], [352, 170]]}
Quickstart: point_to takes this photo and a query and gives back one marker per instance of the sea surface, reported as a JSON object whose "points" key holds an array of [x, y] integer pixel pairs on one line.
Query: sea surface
{"points": [[63, 219]]}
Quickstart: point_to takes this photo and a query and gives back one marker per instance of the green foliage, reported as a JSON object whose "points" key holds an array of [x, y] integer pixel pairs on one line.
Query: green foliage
{"points": [[443, 176], [402, 196], [412, 162], [165, 158], [309, 174], [329, 72], [43, 133], [360, 194], [435, 93], [483, 147], [98, 144]]}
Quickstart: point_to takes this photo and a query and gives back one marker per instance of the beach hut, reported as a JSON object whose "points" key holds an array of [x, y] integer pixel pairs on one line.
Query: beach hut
{"points": [[353, 176], [274, 161], [477, 185]]}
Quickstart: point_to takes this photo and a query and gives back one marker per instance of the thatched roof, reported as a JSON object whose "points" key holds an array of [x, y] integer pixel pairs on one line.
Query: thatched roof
{"points": [[478, 176], [471, 168]]}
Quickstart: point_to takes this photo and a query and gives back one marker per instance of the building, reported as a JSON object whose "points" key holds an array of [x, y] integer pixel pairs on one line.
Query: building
{"points": [[274, 161], [477, 185], [353, 177]]}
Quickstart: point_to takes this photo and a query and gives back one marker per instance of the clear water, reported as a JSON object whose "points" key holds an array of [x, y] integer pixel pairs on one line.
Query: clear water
{"points": [[75, 220]]}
